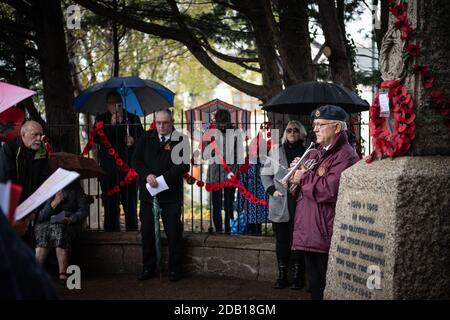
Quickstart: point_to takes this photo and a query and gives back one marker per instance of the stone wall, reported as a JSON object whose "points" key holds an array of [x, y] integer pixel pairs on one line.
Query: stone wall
{"points": [[246, 257]]}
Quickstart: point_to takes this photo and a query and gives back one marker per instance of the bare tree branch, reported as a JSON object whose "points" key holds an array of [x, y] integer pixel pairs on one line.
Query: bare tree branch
{"points": [[184, 36]]}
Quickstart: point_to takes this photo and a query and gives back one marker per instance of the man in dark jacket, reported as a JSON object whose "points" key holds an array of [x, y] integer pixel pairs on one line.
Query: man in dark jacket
{"points": [[24, 161], [154, 156], [316, 203], [122, 130]]}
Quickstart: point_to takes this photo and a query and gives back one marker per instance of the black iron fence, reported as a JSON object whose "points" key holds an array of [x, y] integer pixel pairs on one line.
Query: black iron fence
{"points": [[197, 214]]}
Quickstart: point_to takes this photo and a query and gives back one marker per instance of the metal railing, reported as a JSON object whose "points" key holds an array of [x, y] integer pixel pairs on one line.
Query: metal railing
{"points": [[197, 202]]}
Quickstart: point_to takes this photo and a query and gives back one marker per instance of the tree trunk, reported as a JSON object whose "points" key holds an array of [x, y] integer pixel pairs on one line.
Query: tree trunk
{"points": [[295, 44], [264, 38], [55, 71], [341, 71], [384, 19], [115, 43]]}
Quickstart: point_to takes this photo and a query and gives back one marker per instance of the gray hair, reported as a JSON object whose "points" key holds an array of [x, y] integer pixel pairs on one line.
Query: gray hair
{"points": [[166, 111], [343, 125], [297, 125], [26, 126]]}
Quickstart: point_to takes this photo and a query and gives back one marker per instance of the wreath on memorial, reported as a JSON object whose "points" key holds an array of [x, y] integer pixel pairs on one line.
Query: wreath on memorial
{"points": [[131, 174], [399, 141]]}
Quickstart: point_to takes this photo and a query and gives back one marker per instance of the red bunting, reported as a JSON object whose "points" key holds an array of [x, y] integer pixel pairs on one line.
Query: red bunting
{"points": [[233, 181], [131, 174]]}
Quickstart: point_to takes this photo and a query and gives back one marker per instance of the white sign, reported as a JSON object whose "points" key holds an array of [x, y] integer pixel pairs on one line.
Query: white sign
{"points": [[384, 104]]}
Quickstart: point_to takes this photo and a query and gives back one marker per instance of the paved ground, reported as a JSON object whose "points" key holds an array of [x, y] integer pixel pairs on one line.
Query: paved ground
{"points": [[192, 287]]}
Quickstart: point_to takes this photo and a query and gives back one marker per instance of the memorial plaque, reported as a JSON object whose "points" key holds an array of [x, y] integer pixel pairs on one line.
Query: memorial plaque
{"points": [[360, 254], [390, 237]]}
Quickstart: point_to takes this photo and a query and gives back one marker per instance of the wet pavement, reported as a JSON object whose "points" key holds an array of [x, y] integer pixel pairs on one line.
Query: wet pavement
{"points": [[191, 287]]}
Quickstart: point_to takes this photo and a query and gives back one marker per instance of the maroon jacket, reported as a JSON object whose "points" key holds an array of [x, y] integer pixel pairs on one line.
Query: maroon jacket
{"points": [[316, 202]]}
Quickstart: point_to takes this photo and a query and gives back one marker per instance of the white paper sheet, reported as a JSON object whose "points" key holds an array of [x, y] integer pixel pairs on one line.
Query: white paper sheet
{"points": [[57, 181], [162, 186], [384, 104]]}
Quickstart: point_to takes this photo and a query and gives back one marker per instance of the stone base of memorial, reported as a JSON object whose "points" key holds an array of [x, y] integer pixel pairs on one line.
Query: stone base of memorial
{"points": [[391, 237]]}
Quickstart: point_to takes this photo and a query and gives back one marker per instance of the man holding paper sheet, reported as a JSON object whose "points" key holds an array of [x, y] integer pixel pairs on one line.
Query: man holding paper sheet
{"points": [[158, 164]]}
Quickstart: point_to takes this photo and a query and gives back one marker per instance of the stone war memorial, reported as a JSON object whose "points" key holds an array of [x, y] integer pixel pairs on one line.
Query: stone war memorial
{"points": [[391, 237]]}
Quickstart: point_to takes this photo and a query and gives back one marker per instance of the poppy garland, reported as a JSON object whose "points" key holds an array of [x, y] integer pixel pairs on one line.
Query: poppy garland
{"points": [[234, 181], [398, 142], [131, 174], [438, 97]]}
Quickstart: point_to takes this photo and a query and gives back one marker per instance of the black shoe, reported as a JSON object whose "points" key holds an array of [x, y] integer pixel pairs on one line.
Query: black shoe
{"points": [[174, 276], [146, 274], [298, 277], [282, 281]]}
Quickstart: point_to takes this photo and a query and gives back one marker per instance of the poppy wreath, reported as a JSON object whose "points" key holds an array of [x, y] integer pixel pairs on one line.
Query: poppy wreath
{"points": [[131, 174], [399, 141], [234, 181]]}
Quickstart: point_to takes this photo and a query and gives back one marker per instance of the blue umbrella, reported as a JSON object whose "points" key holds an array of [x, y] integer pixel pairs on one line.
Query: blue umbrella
{"points": [[139, 96]]}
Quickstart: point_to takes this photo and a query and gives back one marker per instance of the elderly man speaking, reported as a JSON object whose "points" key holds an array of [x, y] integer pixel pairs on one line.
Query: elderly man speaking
{"points": [[316, 202]]}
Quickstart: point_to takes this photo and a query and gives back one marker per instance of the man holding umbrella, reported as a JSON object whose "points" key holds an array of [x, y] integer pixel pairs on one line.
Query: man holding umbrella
{"points": [[122, 129]]}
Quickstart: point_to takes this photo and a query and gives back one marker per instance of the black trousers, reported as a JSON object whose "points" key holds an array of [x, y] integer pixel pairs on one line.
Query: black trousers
{"points": [[283, 235], [283, 240], [127, 197], [171, 217], [316, 271], [226, 203]]}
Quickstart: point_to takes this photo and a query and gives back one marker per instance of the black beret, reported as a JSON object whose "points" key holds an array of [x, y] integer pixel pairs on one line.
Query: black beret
{"points": [[330, 112]]}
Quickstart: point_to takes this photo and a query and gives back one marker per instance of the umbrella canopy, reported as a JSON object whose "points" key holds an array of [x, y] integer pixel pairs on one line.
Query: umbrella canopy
{"points": [[139, 96], [10, 95], [303, 98], [10, 123], [86, 167]]}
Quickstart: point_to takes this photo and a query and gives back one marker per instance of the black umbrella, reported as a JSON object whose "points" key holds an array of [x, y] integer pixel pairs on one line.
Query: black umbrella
{"points": [[305, 97]]}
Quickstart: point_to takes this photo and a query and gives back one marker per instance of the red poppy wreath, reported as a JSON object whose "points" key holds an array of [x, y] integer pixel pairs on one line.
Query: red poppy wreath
{"points": [[397, 141]]}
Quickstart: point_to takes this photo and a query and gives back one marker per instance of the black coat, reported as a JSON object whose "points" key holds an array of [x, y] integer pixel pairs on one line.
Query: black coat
{"points": [[23, 166], [116, 135], [152, 158], [21, 277], [74, 205]]}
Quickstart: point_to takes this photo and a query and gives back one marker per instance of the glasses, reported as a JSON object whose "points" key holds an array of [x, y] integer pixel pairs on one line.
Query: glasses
{"points": [[162, 123], [114, 103], [292, 130], [321, 125]]}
